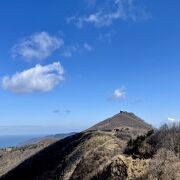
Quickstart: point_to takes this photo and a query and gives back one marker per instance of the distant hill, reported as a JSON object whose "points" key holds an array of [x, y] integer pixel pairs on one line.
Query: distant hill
{"points": [[54, 137], [122, 120]]}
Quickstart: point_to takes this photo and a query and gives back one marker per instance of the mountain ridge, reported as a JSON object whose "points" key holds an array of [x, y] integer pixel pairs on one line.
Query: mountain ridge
{"points": [[87, 155]]}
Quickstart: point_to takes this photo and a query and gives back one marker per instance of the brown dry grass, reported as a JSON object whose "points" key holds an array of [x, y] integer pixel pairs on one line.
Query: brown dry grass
{"points": [[164, 166]]}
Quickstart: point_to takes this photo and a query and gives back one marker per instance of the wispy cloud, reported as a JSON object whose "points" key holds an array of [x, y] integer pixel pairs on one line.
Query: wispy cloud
{"points": [[111, 11], [64, 112], [106, 37], [118, 94], [38, 78], [37, 47], [56, 111], [173, 120], [91, 3], [67, 111], [68, 51], [87, 46]]}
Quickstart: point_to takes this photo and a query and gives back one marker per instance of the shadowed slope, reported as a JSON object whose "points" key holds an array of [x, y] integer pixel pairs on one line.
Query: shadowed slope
{"points": [[80, 156], [48, 162]]}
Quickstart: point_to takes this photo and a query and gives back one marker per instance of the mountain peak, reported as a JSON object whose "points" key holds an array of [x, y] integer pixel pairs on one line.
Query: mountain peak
{"points": [[121, 120]]}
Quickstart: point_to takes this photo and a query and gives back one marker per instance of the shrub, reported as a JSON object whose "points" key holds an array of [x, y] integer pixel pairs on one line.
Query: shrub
{"points": [[138, 147], [168, 137], [164, 166]]}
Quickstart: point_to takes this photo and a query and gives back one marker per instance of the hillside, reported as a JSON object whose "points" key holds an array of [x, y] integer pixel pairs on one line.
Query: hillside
{"points": [[46, 138], [104, 154], [83, 153], [10, 157], [122, 119], [81, 156]]}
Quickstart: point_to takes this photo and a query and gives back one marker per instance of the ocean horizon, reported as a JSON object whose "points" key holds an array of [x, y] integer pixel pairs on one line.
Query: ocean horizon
{"points": [[15, 140]]}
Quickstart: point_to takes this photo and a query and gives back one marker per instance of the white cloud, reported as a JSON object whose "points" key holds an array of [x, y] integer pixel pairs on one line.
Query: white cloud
{"points": [[38, 46], [110, 11], [38, 78], [68, 51], [106, 37], [173, 119], [87, 47], [118, 94]]}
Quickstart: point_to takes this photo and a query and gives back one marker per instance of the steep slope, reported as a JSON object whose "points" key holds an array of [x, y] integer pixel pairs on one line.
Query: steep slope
{"points": [[12, 156], [88, 155], [122, 120], [68, 158]]}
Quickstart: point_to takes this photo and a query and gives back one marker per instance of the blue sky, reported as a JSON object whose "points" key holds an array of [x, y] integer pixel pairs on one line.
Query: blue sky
{"points": [[65, 65]]}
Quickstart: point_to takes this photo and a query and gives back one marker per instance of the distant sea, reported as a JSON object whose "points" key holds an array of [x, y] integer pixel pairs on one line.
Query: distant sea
{"points": [[15, 140]]}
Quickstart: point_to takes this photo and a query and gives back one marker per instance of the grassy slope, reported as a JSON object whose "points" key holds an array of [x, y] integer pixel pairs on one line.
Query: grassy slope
{"points": [[81, 156]]}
